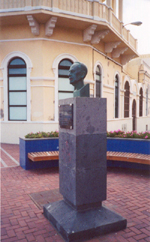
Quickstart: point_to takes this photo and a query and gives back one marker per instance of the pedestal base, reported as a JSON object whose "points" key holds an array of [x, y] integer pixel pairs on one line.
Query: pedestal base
{"points": [[79, 226]]}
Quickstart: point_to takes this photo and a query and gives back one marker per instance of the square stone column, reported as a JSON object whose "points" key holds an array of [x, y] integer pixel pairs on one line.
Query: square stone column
{"points": [[82, 172], [82, 154]]}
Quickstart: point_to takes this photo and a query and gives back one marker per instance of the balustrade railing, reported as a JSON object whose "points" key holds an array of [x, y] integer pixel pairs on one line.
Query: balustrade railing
{"points": [[14, 4], [125, 34], [116, 23], [83, 8], [104, 11], [78, 6], [133, 41]]}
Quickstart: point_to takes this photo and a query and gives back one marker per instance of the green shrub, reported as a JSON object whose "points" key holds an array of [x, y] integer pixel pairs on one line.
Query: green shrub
{"points": [[115, 133], [42, 134], [131, 134]]}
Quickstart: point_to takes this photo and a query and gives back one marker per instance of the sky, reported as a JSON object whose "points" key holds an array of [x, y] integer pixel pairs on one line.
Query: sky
{"points": [[138, 10]]}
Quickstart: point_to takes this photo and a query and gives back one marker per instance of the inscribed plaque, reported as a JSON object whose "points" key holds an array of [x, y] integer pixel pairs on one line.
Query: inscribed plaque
{"points": [[66, 116]]}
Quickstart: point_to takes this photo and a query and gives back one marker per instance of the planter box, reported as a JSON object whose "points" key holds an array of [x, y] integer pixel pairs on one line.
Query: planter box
{"points": [[139, 146], [36, 145], [52, 144]]}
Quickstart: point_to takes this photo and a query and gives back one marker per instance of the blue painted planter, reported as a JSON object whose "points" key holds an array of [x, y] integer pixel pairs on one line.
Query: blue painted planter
{"points": [[139, 146], [52, 144], [36, 145]]}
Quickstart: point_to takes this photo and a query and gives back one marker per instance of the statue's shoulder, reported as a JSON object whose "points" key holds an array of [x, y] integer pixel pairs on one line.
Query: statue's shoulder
{"points": [[83, 92]]}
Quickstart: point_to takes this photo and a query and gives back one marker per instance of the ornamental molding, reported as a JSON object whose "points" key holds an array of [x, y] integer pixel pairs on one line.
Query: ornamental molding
{"points": [[111, 45], [87, 34], [108, 86], [93, 1], [16, 54], [126, 58], [98, 36], [117, 52], [61, 57], [50, 25], [35, 28]]}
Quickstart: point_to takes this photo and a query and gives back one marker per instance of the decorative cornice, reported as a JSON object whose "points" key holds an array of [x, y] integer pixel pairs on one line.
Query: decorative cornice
{"points": [[50, 25], [126, 58], [93, 1], [42, 78], [145, 73], [106, 85], [60, 41], [87, 34], [35, 28], [98, 36], [89, 81], [117, 52], [110, 46], [42, 86]]}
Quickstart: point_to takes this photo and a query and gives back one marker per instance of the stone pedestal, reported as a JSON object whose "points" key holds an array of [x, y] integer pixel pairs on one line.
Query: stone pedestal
{"points": [[82, 172]]}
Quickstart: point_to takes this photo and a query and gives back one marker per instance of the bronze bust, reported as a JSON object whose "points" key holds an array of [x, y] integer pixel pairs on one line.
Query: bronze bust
{"points": [[77, 73]]}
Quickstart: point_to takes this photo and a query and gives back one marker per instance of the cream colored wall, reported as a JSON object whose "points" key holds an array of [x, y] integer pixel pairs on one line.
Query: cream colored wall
{"points": [[110, 69], [122, 124], [42, 53], [11, 132], [142, 122], [132, 68], [49, 104], [1, 101]]}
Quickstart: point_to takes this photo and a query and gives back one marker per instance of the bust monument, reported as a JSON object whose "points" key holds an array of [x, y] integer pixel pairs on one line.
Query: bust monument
{"points": [[77, 73]]}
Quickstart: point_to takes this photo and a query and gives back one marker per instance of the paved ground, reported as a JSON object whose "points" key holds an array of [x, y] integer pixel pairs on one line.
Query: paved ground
{"points": [[22, 219]]}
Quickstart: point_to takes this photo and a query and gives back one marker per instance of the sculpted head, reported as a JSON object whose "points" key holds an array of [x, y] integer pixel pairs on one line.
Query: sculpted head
{"points": [[77, 73]]}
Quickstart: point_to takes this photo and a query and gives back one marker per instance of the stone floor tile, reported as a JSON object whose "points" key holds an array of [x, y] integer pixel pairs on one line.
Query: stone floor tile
{"points": [[23, 221]]}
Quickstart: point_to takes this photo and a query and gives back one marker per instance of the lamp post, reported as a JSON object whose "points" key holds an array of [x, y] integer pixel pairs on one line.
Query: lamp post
{"points": [[137, 23]]}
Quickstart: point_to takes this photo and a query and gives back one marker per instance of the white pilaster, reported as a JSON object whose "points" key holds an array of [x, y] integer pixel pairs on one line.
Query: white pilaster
{"points": [[120, 10], [130, 107], [5, 85], [123, 104], [109, 3], [28, 95], [56, 93], [114, 6]]}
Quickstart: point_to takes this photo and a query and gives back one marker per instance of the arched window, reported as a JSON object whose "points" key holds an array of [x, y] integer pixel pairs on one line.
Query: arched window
{"points": [[65, 89], [141, 103], [17, 90], [116, 96], [147, 102], [126, 99], [98, 81]]}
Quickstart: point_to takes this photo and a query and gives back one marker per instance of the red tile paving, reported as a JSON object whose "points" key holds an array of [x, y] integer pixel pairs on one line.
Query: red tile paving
{"points": [[127, 193], [9, 155]]}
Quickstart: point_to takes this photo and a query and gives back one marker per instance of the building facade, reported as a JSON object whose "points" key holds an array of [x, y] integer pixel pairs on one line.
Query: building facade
{"points": [[40, 39]]}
